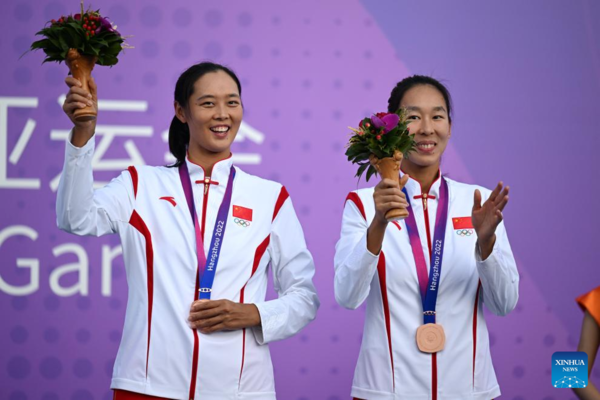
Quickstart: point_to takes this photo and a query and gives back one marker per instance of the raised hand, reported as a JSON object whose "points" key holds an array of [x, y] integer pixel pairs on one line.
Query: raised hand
{"points": [[486, 217], [79, 98]]}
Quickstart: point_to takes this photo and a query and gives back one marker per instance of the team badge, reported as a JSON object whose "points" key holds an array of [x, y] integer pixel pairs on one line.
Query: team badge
{"points": [[242, 216], [463, 226]]}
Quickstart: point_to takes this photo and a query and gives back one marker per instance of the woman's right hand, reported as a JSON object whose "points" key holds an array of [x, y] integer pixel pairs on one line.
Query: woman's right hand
{"points": [[76, 99], [387, 196]]}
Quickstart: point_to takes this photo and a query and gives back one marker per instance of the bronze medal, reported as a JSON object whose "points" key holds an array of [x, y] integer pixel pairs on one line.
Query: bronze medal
{"points": [[431, 338]]}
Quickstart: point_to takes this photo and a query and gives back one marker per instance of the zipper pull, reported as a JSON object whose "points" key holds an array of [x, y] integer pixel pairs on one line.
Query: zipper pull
{"points": [[206, 184], [425, 201]]}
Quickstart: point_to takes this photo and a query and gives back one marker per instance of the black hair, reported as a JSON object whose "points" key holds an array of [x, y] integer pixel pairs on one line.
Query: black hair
{"points": [[179, 132], [408, 83]]}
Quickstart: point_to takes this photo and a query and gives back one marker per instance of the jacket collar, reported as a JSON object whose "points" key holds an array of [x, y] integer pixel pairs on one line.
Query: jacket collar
{"points": [[414, 187], [219, 175]]}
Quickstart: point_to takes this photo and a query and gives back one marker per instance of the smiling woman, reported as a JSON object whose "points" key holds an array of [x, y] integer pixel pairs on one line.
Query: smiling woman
{"points": [[208, 114], [197, 320], [426, 277]]}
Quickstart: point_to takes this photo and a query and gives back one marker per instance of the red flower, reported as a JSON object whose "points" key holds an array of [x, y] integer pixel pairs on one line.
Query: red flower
{"points": [[381, 114], [378, 137], [77, 17]]}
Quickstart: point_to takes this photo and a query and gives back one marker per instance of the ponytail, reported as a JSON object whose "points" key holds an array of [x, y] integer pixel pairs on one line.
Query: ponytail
{"points": [[179, 138]]}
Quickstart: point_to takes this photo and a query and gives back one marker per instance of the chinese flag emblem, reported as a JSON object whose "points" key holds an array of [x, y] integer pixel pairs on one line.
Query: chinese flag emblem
{"points": [[242, 213], [462, 223]]}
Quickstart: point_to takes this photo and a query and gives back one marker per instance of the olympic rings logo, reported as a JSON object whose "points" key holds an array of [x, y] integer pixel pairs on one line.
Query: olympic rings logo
{"points": [[464, 232], [242, 222]]}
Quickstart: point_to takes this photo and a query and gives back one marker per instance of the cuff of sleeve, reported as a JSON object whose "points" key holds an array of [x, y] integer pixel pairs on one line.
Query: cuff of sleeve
{"points": [[74, 151], [491, 257], [370, 255], [272, 316], [364, 256]]}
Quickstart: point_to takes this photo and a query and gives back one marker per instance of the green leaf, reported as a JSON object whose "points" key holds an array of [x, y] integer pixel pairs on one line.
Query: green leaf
{"points": [[362, 169], [370, 172]]}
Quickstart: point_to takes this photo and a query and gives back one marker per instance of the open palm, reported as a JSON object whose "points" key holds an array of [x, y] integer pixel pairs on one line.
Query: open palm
{"points": [[486, 217]]}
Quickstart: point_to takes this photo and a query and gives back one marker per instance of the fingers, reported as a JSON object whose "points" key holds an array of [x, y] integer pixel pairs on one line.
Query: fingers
{"points": [[476, 200], [395, 200], [73, 97], [500, 216], [77, 98], [205, 314], [70, 108], [200, 305], [209, 322], [500, 206], [496, 190], [501, 196], [387, 183], [75, 87], [72, 82]]}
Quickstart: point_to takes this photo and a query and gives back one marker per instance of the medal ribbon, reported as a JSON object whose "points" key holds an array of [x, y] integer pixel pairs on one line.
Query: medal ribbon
{"points": [[429, 287], [206, 277]]}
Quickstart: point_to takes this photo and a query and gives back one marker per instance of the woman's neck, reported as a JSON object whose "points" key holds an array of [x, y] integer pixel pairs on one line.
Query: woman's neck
{"points": [[206, 159], [424, 175]]}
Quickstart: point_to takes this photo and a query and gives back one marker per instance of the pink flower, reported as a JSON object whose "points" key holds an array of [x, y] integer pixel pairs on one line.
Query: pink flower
{"points": [[385, 121], [105, 25]]}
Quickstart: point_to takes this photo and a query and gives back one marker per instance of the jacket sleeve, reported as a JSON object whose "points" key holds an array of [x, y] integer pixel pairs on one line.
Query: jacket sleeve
{"points": [[293, 269], [354, 264], [499, 276], [84, 211]]}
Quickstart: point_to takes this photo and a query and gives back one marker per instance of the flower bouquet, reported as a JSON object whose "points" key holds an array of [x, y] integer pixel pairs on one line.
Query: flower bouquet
{"points": [[378, 146], [81, 40]]}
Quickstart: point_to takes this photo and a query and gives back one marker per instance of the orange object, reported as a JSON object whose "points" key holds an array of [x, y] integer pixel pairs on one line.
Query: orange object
{"points": [[590, 302]]}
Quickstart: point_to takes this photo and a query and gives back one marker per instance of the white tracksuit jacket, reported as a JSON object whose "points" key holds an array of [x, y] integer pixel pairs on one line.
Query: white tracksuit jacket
{"points": [[390, 366], [146, 206]]}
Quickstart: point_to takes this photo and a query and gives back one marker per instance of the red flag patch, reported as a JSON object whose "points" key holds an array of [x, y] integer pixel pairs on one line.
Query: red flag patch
{"points": [[462, 223], [242, 213]]}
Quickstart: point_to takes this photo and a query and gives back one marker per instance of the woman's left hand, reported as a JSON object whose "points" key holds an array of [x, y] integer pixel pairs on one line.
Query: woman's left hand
{"points": [[486, 217], [222, 315]]}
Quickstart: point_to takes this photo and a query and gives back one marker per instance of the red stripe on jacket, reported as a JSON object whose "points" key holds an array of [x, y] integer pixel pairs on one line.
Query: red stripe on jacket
{"points": [[353, 197], [134, 179], [386, 308], [283, 196], [138, 223], [475, 309], [260, 251]]}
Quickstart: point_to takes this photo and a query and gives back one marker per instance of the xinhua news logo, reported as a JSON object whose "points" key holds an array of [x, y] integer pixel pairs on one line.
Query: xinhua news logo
{"points": [[569, 369]]}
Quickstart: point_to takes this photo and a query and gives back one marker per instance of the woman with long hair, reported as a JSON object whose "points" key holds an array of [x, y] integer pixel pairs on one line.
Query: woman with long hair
{"points": [[427, 277], [197, 238]]}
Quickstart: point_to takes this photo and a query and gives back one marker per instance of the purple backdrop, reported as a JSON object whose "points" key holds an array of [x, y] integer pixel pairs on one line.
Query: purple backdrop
{"points": [[526, 83]]}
